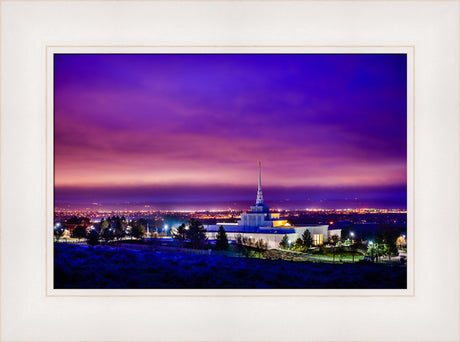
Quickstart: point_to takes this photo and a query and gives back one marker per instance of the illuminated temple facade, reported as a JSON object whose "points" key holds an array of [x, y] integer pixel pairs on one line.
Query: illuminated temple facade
{"points": [[259, 223]]}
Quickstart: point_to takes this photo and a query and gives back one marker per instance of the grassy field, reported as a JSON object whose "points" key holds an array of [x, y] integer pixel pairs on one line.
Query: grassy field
{"points": [[109, 268]]}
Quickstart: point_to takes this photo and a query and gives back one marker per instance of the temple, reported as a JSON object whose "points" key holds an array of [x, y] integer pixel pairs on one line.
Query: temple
{"points": [[260, 223]]}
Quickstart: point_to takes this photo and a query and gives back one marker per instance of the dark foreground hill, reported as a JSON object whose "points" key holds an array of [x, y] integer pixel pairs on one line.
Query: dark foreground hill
{"points": [[81, 267]]}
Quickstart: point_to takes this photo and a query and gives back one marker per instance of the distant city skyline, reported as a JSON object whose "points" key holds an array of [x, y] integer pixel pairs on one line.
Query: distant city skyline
{"points": [[187, 130]]}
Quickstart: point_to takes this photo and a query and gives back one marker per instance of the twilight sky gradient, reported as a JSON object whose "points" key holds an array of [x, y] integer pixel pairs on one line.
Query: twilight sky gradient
{"points": [[330, 130]]}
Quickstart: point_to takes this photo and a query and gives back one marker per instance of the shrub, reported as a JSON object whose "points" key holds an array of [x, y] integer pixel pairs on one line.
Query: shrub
{"points": [[93, 238]]}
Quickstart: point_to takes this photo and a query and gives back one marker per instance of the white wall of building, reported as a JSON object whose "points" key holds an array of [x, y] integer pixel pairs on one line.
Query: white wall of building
{"points": [[273, 239]]}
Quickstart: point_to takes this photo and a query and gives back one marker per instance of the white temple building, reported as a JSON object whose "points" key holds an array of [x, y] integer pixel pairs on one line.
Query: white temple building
{"points": [[259, 223]]}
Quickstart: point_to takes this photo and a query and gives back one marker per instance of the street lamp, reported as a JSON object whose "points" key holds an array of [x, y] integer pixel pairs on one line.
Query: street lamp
{"points": [[352, 235]]}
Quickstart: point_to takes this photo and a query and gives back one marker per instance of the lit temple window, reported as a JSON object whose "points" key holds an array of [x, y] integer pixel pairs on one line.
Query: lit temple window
{"points": [[317, 239]]}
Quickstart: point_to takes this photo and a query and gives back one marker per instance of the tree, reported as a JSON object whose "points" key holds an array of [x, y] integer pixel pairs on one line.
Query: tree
{"points": [[307, 239], [375, 250], [221, 239], [401, 241], [354, 252], [260, 246], [180, 234], [119, 232], [107, 235], [284, 242], [345, 233], [242, 246], [392, 251], [58, 232], [79, 232], [104, 224], [298, 244], [385, 243], [389, 249], [196, 234], [334, 238], [84, 221], [93, 238], [73, 220], [137, 230]]}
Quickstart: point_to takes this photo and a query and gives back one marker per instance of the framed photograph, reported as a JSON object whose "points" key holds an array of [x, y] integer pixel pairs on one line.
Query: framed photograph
{"points": [[217, 163], [155, 189]]}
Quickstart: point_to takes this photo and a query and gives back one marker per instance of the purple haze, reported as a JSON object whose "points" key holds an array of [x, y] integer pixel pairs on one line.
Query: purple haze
{"points": [[190, 129]]}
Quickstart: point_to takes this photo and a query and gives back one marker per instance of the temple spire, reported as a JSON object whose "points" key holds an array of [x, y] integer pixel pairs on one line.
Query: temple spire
{"points": [[260, 197]]}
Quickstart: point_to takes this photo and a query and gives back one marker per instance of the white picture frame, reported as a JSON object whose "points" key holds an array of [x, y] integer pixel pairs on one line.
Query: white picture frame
{"points": [[30, 30]]}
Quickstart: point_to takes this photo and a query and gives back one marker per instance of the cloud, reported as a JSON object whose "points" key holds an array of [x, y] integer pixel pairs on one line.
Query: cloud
{"points": [[161, 120]]}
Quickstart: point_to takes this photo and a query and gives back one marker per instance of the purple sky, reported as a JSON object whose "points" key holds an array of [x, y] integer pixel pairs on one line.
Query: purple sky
{"points": [[191, 129]]}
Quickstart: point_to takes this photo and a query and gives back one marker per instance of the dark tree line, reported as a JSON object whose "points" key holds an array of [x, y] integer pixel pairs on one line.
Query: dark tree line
{"points": [[193, 234], [109, 229], [301, 244], [383, 244], [247, 246]]}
